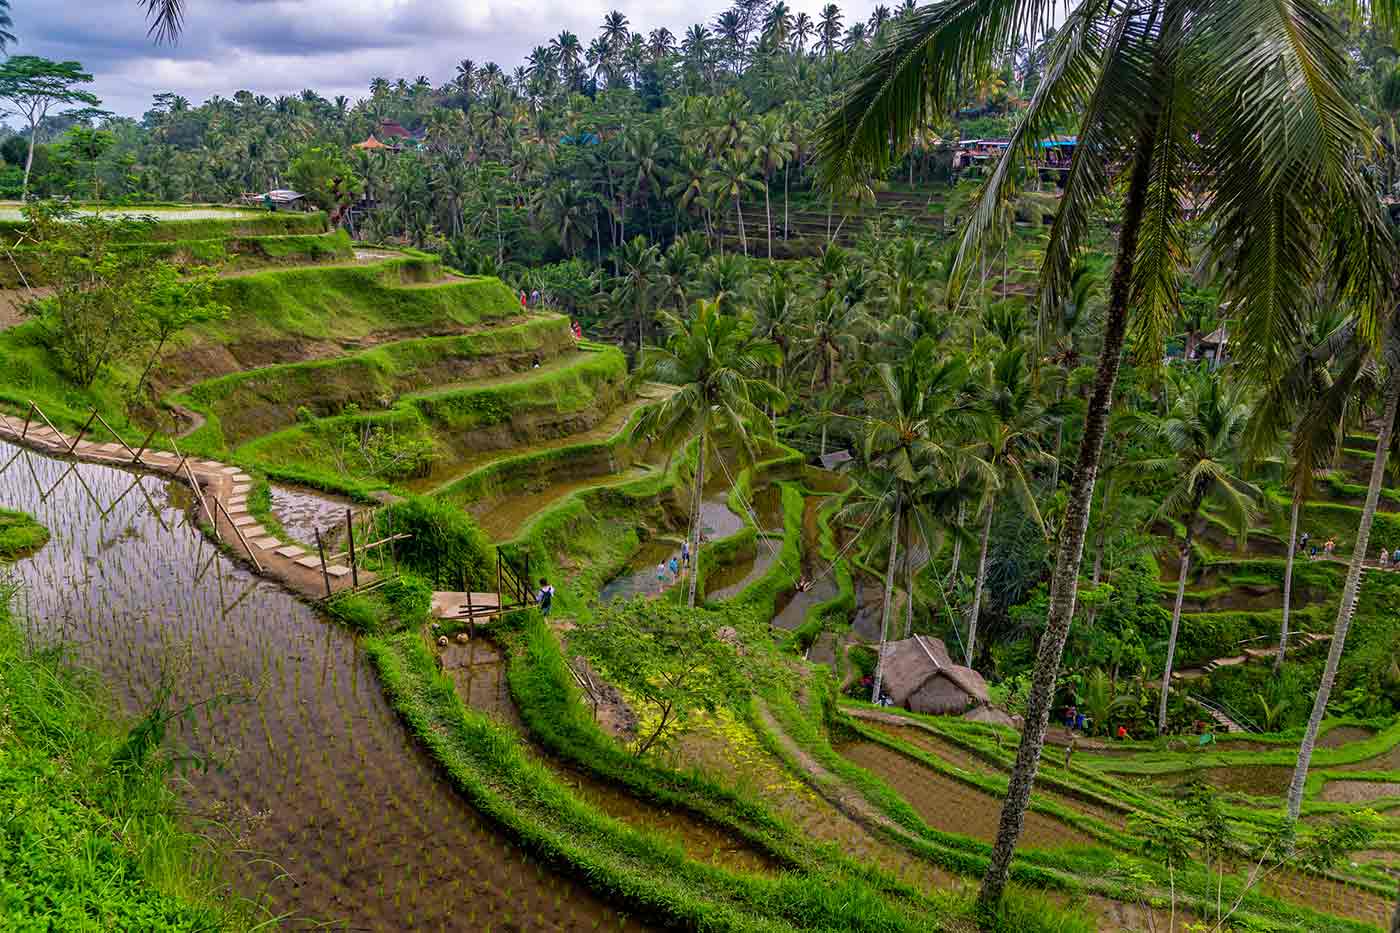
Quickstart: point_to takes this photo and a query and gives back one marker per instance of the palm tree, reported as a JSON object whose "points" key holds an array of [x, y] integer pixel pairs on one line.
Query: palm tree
{"points": [[730, 179], [717, 363], [802, 30], [832, 336], [1163, 94], [829, 30], [569, 51], [906, 443], [1203, 433], [640, 272], [660, 43], [771, 150], [1011, 422], [1358, 372]]}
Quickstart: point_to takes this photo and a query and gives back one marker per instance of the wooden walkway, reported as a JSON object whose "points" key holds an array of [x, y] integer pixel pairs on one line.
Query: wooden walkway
{"points": [[466, 606], [221, 493]]}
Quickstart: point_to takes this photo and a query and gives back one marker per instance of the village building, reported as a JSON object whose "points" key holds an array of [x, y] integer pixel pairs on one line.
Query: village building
{"points": [[920, 676]]}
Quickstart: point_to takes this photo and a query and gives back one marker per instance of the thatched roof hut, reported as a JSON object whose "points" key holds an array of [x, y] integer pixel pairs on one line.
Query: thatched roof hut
{"points": [[920, 676]]}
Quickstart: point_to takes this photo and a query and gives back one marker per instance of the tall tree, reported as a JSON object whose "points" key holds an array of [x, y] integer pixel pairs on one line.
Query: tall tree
{"points": [[718, 363], [33, 86], [1202, 433], [1169, 90]]}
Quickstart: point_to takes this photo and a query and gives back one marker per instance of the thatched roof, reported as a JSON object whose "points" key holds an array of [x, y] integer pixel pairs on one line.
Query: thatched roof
{"points": [[910, 663]]}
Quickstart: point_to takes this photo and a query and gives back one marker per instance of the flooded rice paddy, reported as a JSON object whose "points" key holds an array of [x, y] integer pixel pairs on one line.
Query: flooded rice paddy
{"points": [[337, 817], [303, 512], [731, 580], [503, 518], [640, 576]]}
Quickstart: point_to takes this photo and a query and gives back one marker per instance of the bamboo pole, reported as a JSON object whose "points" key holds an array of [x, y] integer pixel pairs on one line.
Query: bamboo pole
{"points": [[350, 530], [199, 495], [320, 549], [81, 431], [144, 444], [103, 421], [239, 532]]}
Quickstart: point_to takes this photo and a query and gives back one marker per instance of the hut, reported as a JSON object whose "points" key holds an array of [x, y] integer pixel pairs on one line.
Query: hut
{"points": [[920, 676]]}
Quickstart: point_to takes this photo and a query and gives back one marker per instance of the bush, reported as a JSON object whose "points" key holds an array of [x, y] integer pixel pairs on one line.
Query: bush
{"points": [[19, 534], [444, 542]]}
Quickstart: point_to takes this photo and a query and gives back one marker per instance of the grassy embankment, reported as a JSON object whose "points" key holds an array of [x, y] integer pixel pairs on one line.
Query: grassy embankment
{"points": [[87, 844], [275, 316]]}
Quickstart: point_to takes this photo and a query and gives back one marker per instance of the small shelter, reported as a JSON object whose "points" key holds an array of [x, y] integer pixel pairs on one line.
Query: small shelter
{"points": [[836, 460], [373, 145], [920, 676], [1213, 346], [278, 199]]}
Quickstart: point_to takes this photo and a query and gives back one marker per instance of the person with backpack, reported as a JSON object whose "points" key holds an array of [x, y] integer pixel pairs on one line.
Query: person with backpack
{"points": [[546, 597]]}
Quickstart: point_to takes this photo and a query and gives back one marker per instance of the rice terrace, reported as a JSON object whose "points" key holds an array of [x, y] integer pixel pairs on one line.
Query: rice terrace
{"points": [[878, 469]]}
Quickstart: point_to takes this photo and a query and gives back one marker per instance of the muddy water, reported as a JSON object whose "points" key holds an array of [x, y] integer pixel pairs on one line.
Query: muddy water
{"points": [[303, 512], [733, 579], [639, 579], [338, 818], [478, 668], [716, 519], [1338, 736], [504, 518], [951, 806]]}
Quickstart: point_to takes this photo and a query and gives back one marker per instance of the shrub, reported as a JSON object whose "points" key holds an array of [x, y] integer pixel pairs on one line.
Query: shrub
{"points": [[443, 540]]}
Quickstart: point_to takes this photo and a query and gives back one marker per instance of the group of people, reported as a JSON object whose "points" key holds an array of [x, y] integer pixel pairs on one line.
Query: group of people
{"points": [[671, 570], [1329, 547], [532, 300], [1389, 558]]}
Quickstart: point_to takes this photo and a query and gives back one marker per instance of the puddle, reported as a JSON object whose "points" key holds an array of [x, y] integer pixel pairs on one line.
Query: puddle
{"points": [[478, 668], [716, 520], [303, 511], [639, 579], [954, 807], [340, 818], [731, 580], [1359, 791]]}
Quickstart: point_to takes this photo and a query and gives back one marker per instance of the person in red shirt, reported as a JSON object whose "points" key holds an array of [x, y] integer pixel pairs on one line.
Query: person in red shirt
{"points": [[1122, 733]]}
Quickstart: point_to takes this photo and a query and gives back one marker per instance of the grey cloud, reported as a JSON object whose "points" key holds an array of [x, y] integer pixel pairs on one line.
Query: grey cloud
{"points": [[334, 46]]}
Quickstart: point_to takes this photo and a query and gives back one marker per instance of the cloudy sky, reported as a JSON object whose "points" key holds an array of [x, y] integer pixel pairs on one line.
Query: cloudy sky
{"points": [[334, 46]]}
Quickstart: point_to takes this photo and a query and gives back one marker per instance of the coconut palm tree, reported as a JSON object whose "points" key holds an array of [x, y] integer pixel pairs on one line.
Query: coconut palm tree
{"points": [[718, 363], [1202, 433], [636, 284], [1165, 91], [829, 30], [908, 440], [1011, 422], [771, 151], [732, 178], [831, 337], [1360, 370]]}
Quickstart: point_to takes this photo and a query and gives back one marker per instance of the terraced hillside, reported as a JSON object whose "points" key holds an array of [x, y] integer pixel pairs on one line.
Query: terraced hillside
{"points": [[393, 771]]}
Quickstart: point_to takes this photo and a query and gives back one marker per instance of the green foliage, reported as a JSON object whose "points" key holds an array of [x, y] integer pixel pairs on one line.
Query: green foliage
{"points": [[20, 535], [443, 541], [676, 661], [83, 848], [325, 177]]}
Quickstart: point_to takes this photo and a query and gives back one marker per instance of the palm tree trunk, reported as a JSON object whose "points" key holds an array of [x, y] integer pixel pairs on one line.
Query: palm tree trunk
{"points": [[1288, 580], [981, 580], [786, 172], [1059, 446], [768, 216], [909, 587], [957, 542], [823, 439], [29, 159], [699, 494], [1353, 585], [739, 212], [1076, 526], [885, 610], [1171, 638]]}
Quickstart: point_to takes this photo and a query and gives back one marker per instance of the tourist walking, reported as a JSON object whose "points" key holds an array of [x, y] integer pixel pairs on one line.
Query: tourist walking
{"points": [[661, 576], [675, 566], [685, 553], [1330, 546], [535, 298], [546, 596], [1385, 557]]}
